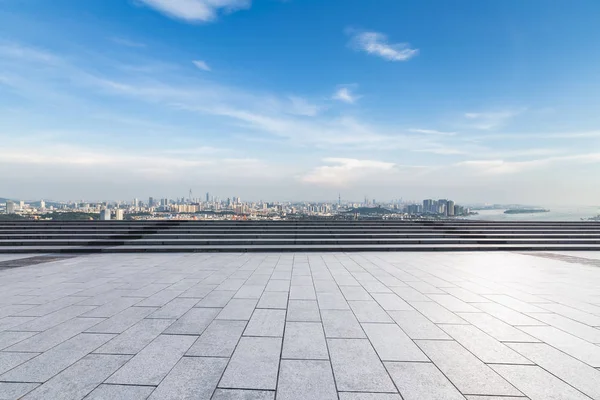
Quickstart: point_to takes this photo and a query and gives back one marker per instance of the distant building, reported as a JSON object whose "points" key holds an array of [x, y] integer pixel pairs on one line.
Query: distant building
{"points": [[21, 205], [105, 215], [119, 214], [207, 197], [42, 204], [136, 203], [11, 207], [428, 206], [450, 208], [151, 202]]}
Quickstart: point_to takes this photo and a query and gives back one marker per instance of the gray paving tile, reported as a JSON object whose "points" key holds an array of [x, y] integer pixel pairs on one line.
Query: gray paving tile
{"points": [[136, 338], [326, 286], [192, 378], [232, 394], [332, 301], [46, 340], [50, 363], [80, 378], [306, 379], [10, 360], [273, 300], [303, 311], [7, 323], [219, 339], [122, 321], [416, 326], [572, 345], [302, 292], [485, 347], [249, 292], [160, 299], [231, 284], [417, 381], [368, 396], [198, 291], [410, 294], [514, 304], [357, 368], [437, 314], [254, 364], [304, 340], [476, 397], [506, 314], [194, 322], [466, 295], [266, 323], [112, 308], [468, 373], [238, 309], [538, 384], [341, 324], [369, 311], [51, 320], [12, 391], [49, 307], [563, 366], [278, 285], [149, 290], [496, 328], [576, 328], [391, 302], [216, 299], [573, 313], [120, 392], [153, 363], [392, 344], [8, 339], [452, 303], [355, 293], [174, 309]]}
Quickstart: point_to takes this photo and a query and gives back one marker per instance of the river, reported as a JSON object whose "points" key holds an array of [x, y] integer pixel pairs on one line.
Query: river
{"points": [[555, 214]]}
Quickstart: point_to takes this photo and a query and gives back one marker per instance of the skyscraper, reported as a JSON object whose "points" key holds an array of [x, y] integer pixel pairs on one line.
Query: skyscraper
{"points": [[105, 215], [207, 197], [119, 214], [450, 208], [42, 204], [151, 202], [10, 207]]}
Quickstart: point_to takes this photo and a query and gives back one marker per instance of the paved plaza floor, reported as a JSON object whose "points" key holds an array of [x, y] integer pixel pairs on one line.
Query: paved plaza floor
{"points": [[347, 326]]}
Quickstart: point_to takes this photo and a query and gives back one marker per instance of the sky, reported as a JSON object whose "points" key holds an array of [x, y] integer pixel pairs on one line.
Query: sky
{"points": [[474, 100]]}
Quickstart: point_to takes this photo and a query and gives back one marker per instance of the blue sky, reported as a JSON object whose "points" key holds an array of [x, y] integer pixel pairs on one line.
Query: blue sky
{"points": [[477, 100]]}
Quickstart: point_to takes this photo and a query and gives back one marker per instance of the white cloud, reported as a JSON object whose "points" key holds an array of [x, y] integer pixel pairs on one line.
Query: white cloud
{"points": [[491, 120], [300, 106], [196, 10], [201, 65], [128, 42], [376, 43], [432, 132], [345, 94], [345, 170]]}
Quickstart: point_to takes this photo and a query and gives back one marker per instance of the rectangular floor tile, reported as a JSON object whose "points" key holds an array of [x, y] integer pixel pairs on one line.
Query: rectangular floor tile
{"points": [[134, 339], [238, 309], [50, 363], [436, 313], [122, 321], [357, 367], [417, 381], [277, 300], [235, 394], [341, 324], [506, 314], [467, 373], [392, 344], [572, 345], [254, 364], [417, 326], [568, 325], [496, 328], [306, 379], [368, 396], [219, 339], [391, 302], [194, 322], [304, 340], [153, 363], [10, 360], [266, 323], [538, 384], [174, 309], [8, 339], [303, 311], [369, 311], [80, 378], [192, 378], [11, 390], [120, 392], [216, 299], [483, 346]]}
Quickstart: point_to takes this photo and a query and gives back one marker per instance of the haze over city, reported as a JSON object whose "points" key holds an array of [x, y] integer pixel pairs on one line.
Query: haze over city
{"points": [[300, 100]]}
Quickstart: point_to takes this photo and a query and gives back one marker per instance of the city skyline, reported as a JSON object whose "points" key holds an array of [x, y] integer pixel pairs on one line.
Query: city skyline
{"points": [[478, 102]]}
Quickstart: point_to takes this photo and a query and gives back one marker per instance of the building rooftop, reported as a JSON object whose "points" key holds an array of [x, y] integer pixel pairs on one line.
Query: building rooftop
{"points": [[347, 326]]}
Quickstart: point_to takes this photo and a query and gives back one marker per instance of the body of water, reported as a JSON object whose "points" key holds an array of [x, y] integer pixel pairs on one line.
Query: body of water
{"points": [[555, 214]]}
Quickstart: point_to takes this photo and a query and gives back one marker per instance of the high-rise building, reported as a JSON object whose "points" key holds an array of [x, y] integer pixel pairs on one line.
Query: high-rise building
{"points": [[151, 202], [136, 203], [450, 208], [427, 205], [119, 214], [42, 204], [11, 207], [105, 215], [21, 205], [207, 197]]}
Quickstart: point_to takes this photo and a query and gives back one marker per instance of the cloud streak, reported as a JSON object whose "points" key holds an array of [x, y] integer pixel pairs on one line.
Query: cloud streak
{"points": [[345, 94], [201, 65], [196, 10], [377, 44]]}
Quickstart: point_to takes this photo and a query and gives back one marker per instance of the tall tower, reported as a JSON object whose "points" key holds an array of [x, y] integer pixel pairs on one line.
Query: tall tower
{"points": [[339, 199], [190, 196], [207, 197]]}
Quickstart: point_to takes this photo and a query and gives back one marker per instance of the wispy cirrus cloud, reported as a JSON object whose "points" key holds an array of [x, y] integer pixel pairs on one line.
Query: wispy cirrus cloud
{"points": [[345, 94], [201, 65], [431, 132], [376, 43], [196, 10], [491, 119], [128, 42]]}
